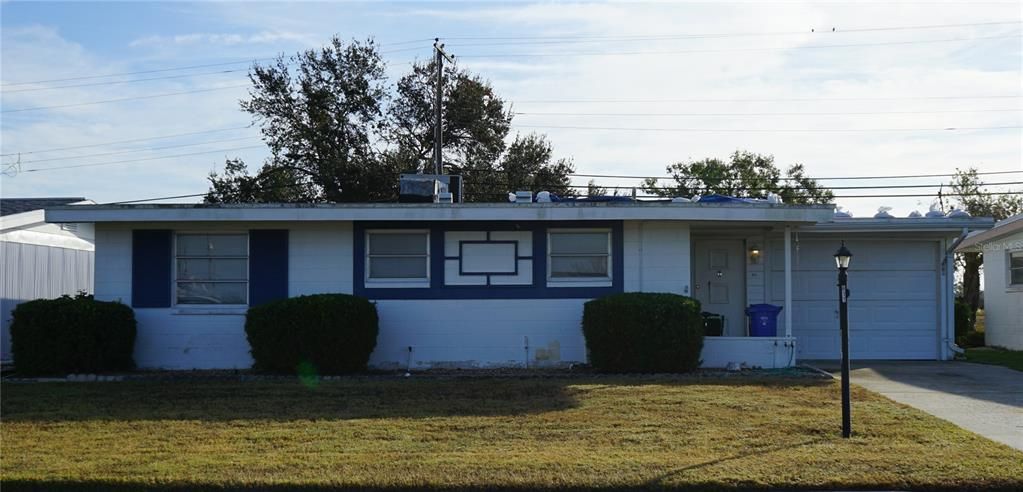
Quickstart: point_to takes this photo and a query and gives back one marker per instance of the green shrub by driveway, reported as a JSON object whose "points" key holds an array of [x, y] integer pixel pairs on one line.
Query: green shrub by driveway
{"points": [[643, 332], [72, 335], [324, 333]]}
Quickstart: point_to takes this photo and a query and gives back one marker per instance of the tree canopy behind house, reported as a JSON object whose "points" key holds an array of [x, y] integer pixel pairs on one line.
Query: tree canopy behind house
{"points": [[744, 174], [339, 131]]}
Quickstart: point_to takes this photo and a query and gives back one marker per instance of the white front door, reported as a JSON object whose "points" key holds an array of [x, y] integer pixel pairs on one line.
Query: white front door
{"points": [[719, 281]]}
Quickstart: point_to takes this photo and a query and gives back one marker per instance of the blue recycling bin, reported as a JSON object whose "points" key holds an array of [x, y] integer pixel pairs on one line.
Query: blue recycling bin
{"points": [[763, 320]]}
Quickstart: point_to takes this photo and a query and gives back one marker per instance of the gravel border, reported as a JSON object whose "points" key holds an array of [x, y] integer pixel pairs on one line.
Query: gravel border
{"points": [[576, 372]]}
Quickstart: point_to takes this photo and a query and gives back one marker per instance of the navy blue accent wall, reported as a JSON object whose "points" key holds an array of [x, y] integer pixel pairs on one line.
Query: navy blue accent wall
{"points": [[437, 290], [151, 268], [268, 265]]}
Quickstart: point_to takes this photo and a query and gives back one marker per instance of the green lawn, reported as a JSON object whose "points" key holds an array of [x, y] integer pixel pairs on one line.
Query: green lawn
{"points": [[1012, 359], [381, 433]]}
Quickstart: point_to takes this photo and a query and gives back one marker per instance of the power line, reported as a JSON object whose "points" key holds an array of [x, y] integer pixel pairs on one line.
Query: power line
{"points": [[782, 113], [138, 72], [133, 98], [877, 187], [832, 178], [775, 130], [190, 67], [117, 82], [731, 50], [683, 36], [921, 195], [40, 169], [158, 137], [150, 149], [774, 99]]}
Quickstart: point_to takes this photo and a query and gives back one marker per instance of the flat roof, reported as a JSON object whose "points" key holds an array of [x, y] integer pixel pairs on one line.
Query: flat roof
{"points": [[818, 218], [691, 211]]}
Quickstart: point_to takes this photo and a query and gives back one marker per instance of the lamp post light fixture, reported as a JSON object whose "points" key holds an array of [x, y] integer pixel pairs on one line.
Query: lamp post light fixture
{"points": [[842, 258]]}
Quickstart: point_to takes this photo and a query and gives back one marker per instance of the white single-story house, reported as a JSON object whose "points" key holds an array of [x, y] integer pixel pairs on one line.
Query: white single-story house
{"points": [[1002, 247], [40, 260], [503, 284]]}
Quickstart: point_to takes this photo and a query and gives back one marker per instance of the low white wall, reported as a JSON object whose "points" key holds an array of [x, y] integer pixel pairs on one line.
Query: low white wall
{"points": [[765, 352]]}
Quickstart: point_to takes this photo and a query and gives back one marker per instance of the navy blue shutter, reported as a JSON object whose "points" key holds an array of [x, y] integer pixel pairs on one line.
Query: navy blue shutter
{"points": [[151, 268], [268, 266]]}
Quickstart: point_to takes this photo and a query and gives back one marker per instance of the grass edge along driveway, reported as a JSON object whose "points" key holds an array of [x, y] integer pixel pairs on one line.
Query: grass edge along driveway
{"points": [[609, 433], [1013, 359]]}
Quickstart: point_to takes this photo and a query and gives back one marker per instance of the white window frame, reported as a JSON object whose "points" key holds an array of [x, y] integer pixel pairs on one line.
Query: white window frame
{"points": [[553, 281], [248, 269], [1008, 270], [411, 282]]}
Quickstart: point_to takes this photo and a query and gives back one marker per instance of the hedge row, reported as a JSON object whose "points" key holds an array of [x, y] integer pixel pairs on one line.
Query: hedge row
{"points": [[72, 335], [643, 332], [329, 333]]}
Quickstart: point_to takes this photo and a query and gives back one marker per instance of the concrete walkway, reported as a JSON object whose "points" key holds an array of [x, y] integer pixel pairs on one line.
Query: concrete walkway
{"points": [[984, 399]]}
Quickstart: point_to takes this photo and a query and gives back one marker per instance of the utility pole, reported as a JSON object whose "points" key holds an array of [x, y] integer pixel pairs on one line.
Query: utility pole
{"points": [[438, 145]]}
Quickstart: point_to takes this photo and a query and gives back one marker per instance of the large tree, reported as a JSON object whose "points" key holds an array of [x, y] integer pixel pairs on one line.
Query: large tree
{"points": [[338, 132], [969, 194], [744, 174]]}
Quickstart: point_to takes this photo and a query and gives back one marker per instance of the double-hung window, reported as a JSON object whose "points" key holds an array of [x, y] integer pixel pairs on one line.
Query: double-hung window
{"points": [[579, 255], [212, 269], [1016, 268], [398, 257]]}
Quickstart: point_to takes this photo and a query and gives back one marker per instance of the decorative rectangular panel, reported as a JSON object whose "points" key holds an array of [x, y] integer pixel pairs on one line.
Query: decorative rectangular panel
{"points": [[488, 258]]}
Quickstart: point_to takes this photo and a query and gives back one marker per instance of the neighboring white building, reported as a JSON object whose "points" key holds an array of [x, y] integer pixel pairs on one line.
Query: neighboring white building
{"points": [[40, 260], [476, 285], [1002, 247]]}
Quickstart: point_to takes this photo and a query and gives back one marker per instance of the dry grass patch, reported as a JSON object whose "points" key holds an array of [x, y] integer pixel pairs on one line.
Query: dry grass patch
{"points": [[386, 434]]}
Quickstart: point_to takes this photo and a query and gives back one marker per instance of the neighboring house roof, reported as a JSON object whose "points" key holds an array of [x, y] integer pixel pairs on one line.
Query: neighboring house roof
{"points": [[1002, 228], [11, 206]]}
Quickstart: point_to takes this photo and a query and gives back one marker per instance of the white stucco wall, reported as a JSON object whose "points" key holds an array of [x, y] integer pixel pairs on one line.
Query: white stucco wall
{"points": [[1003, 305], [447, 333], [657, 257], [319, 258]]}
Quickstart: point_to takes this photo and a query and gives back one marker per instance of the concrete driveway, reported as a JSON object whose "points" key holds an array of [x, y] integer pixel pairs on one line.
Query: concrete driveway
{"points": [[984, 399]]}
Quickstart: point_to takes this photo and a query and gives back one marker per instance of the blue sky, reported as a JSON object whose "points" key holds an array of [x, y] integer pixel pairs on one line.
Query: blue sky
{"points": [[750, 76]]}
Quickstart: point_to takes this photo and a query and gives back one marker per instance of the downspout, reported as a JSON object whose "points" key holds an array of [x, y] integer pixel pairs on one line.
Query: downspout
{"points": [[948, 269]]}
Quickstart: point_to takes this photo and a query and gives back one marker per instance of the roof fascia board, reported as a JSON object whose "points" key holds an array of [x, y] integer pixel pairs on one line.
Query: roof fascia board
{"points": [[544, 212]]}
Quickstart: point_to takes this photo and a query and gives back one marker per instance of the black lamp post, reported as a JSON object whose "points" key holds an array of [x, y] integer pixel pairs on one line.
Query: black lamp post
{"points": [[842, 258]]}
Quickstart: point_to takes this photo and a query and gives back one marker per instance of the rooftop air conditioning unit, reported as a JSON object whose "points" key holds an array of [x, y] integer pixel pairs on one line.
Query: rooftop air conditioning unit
{"points": [[430, 188]]}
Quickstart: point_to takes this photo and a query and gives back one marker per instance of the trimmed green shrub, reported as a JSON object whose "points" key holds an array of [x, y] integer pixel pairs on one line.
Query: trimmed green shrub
{"points": [[965, 317], [72, 335], [643, 332], [332, 333], [971, 339]]}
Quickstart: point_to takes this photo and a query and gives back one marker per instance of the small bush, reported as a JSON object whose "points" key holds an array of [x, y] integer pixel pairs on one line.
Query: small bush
{"points": [[965, 317], [334, 333], [643, 332], [72, 335], [971, 339]]}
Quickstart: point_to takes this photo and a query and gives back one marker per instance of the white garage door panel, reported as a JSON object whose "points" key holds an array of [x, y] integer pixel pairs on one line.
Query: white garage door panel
{"points": [[815, 254], [893, 304], [864, 285]]}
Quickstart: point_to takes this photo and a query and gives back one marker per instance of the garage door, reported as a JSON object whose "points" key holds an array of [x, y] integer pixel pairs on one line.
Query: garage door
{"points": [[893, 303]]}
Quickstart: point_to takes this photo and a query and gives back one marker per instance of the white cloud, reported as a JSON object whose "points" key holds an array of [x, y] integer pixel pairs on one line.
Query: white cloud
{"points": [[228, 39]]}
